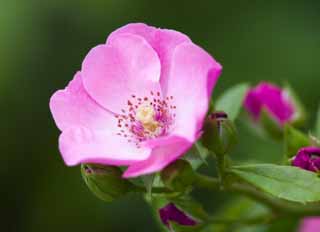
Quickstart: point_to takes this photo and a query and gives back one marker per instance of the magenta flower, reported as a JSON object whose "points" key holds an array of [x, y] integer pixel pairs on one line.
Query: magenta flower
{"points": [[139, 100], [171, 213], [271, 98], [308, 158], [310, 224]]}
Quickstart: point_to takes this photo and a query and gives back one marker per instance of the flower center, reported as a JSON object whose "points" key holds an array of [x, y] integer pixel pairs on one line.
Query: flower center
{"points": [[146, 118]]}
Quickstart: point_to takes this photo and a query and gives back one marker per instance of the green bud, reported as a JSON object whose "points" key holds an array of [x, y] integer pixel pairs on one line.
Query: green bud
{"points": [[220, 134], [105, 182], [178, 176]]}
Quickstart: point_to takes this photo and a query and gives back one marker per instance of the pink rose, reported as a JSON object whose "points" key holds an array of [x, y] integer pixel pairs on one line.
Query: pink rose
{"points": [[139, 100]]}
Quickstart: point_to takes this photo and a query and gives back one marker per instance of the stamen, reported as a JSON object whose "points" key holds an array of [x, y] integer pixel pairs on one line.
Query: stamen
{"points": [[146, 117]]}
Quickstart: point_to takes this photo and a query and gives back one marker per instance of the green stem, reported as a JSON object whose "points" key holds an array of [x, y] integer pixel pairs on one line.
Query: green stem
{"points": [[258, 220], [156, 190], [277, 205], [221, 168], [256, 195], [203, 181]]}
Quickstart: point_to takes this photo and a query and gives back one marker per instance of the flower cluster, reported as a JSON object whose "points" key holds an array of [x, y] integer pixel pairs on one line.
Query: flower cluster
{"points": [[139, 105]]}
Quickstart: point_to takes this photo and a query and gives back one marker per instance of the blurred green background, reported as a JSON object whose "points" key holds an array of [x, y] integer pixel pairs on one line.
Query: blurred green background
{"points": [[42, 44]]}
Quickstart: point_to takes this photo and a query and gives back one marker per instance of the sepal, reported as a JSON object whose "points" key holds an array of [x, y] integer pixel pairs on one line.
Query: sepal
{"points": [[105, 182]]}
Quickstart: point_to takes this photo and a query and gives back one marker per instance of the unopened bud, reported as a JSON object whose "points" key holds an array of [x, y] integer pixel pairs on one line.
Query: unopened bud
{"points": [[271, 107], [105, 182], [220, 134], [308, 158], [178, 176], [170, 213]]}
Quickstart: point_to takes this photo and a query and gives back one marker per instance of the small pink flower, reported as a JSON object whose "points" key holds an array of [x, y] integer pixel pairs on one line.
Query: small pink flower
{"points": [[139, 100], [272, 99], [310, 224]]}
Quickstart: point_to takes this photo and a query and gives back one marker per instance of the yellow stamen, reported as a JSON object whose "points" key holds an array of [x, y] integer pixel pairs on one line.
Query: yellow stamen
{"points": [[145, 114]]}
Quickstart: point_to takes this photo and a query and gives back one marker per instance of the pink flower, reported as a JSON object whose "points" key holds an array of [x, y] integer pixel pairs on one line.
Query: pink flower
{"points": [[139, 100], [310, 224], [272, 99]]}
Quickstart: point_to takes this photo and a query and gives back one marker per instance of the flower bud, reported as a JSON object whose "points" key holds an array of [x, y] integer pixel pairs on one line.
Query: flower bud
{"points": [[105, 182], [281, 106], [220, 134], [308, 158], [170, 213], [178, 176]]}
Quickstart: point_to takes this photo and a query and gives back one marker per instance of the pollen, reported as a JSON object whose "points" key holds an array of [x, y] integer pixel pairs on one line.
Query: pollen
{"points": [[146, 117], [145, 114]]}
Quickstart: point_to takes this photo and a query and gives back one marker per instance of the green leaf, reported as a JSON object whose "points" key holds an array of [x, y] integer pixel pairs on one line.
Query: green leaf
{"points": [[231, 100], [286, 182], [294, 140], [197, 155]]}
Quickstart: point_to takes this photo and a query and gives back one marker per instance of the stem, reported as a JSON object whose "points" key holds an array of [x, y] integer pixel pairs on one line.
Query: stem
{"points": [[252, 193], [156, 190], [221, 168], [203, 181], [278, 206], [258, 220]]}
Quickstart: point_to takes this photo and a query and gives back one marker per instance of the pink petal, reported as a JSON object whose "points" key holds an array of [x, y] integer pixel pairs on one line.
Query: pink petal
{"points": [[193, 76], [126, 66], [83, 145], [141, 29], [165, 150], [74, 107], [310, 224], [163, 41]]}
